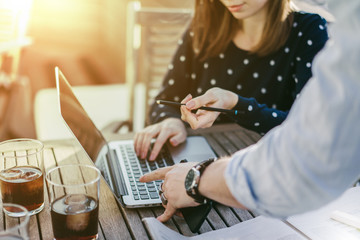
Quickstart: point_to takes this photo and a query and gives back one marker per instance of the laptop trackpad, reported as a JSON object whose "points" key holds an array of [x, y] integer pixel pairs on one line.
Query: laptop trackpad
{"points": [[195, 149]]}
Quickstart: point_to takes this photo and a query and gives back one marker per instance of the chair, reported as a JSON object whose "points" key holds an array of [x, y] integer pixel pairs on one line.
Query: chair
{"points": [[152, 38], [15, 95]]}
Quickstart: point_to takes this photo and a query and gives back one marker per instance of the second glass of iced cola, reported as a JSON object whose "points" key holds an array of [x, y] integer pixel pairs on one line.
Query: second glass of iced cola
{"points": [[74, 201]]}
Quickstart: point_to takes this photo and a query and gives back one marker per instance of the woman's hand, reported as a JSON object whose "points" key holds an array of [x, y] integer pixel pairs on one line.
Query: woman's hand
{"points": [[173, 188], [170, 128], [214, 97]]}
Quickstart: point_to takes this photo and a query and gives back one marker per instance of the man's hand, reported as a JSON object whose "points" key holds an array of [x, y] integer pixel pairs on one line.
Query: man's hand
{"points": [[170, 128], [214, 97], [173, 188]]}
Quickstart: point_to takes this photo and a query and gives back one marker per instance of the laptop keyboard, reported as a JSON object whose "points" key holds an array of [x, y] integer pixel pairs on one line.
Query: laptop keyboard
{"points": [[135, 168]]}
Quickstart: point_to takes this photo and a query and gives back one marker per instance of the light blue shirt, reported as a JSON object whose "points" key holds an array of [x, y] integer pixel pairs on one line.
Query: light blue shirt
{"points": [[314, 156]]}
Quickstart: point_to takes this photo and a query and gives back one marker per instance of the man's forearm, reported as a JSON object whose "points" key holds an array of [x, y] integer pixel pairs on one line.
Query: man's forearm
{"points": [[213, 185]]}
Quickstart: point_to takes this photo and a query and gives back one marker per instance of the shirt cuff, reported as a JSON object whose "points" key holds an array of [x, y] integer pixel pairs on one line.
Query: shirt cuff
{"points": [[245, 104]]}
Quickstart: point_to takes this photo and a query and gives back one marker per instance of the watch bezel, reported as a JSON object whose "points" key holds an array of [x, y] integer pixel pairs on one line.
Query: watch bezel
{"points": [[194, 181]]}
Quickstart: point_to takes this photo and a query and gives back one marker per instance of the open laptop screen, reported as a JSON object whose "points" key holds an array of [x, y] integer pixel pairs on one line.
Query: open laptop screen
{"points": [[77, 119]]}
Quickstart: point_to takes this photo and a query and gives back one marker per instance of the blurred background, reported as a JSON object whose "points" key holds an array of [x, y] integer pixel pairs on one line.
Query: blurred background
{"points": [[85, 38]]}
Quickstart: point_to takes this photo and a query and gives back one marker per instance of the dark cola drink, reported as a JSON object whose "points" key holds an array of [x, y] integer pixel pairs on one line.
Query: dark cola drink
{"points": [[75, 217], [23, 185]]}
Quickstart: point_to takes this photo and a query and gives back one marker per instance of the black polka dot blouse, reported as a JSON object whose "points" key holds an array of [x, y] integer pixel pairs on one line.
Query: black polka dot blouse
{"points": [[266, 86]]}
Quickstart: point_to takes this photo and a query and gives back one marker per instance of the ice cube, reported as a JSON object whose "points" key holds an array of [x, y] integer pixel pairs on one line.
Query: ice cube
{"points": [[78, 222], [77, 199], [75, 208], [29, 175], [11, 174]]}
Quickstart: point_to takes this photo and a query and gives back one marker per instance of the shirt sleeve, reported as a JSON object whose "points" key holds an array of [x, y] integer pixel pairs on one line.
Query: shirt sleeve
{"points": [[176, 83], [262, 118], [313, 157]]}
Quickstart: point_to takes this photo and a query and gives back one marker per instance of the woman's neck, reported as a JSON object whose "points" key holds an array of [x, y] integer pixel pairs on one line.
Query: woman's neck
{"points": [[250, 31]]}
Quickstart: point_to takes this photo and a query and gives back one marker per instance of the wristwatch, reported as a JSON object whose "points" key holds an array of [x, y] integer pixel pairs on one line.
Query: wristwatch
{"points": [[192, 180]]}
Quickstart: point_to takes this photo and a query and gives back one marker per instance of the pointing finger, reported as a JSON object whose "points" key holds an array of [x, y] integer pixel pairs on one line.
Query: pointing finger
{"points": [[155, 175]]}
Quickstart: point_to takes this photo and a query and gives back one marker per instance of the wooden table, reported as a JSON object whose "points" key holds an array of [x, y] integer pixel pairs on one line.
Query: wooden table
{"points": [[116, 222]]}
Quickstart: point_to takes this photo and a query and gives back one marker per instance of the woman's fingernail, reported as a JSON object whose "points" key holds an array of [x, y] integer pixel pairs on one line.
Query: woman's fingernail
{"points": [[190, 104], [173, 142]]}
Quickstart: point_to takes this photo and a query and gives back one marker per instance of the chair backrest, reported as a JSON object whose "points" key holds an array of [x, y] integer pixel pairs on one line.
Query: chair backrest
{"points": [[152, 38]]}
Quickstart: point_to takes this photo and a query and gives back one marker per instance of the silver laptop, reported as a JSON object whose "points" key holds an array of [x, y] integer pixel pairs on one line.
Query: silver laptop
{"points": [[117, 160]]}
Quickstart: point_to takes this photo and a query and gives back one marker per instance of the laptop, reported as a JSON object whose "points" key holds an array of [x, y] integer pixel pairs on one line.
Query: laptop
{"points": [[117, 160]]}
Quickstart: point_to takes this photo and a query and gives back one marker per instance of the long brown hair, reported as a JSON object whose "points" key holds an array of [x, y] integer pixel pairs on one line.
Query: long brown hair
{"points": [[214, 27]]}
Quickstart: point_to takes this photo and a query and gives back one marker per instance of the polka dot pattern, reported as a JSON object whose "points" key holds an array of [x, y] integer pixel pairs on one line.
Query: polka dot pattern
{"points": [[261, 82]]}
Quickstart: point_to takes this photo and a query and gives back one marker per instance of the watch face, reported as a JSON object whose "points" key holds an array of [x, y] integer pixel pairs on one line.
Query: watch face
{"points": [[189, 179]]}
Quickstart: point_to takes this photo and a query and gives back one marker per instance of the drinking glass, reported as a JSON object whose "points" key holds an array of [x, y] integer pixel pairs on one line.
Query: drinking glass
{"points": [[74, 201], [17, 228], [21, 174]]}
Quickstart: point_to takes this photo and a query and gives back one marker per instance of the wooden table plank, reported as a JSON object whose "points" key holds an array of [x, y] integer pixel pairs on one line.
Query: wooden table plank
{"points": [[215, 220], [44, 217], [236, 140], [205, 227], [255, 136], [242, 214], [225, 143], [227, 215], [133, 219]]}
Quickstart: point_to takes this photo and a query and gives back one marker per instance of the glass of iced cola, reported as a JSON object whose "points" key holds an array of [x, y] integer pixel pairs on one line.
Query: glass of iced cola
{"points": [[74, 201], [21, 174], [14, 228]]}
